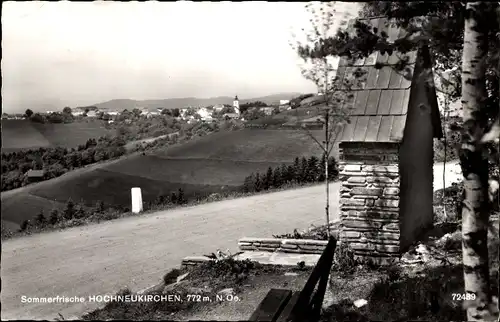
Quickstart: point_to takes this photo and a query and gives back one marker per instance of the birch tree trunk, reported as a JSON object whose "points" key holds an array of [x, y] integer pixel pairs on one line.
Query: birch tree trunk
{"points": [[474, 162]]}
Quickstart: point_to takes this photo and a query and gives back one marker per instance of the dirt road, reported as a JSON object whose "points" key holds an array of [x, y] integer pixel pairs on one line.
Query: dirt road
{"points": [[137, 252]]}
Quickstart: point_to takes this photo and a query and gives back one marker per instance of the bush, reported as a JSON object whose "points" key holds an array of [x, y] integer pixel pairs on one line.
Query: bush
{"points": [[344, 260], [171, 277], [228, 269], [55, 217], [40, 219], [25, 225]]}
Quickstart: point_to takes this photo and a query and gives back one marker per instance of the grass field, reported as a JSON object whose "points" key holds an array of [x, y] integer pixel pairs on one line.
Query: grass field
{"points": [[113, 188], [20, 207], [206, 165], [72, 134], [249, 145], [190, 171], [20, 135]]}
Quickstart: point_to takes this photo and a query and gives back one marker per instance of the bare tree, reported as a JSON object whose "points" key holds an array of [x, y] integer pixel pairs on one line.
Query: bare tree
{"points": [[331, 110]]}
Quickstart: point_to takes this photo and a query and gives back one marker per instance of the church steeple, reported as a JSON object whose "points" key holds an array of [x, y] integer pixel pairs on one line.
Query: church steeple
{"points": [[236, 105]]}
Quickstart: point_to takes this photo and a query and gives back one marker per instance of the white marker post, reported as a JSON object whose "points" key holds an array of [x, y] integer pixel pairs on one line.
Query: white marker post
{"points": [[136, 200]]}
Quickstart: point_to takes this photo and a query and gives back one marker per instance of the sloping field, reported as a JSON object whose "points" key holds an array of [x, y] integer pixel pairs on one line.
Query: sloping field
{"points": [[249, 145], [21, 134], [190, 171], [20, 207], [113, 188], [72, 134]]}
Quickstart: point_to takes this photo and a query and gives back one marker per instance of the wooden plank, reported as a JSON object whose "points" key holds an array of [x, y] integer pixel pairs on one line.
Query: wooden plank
{"points": [[322, 267], [289, 307], [272, 305]]}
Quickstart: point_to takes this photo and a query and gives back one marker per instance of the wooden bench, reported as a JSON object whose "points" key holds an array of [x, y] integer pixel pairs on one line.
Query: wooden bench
{"points": [[281, 305]]}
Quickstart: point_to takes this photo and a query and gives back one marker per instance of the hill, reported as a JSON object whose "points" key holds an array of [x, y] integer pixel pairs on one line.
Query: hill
{"points": [[210, 164], [23, 134], [171, 103]]}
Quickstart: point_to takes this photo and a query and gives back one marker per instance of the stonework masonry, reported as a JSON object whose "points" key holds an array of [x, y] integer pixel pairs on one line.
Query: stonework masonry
{"points": [[369, 201]]}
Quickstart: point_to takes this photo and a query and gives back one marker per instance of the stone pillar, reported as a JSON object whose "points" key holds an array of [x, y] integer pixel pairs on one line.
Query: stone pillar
{"points": [[369, 200]]}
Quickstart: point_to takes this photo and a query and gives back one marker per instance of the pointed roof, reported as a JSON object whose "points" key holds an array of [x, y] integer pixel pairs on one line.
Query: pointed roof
{"points": [[381, 96]]}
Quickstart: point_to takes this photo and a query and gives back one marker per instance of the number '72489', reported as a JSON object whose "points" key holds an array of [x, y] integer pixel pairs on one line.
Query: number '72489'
{"points": [[463, 296]]}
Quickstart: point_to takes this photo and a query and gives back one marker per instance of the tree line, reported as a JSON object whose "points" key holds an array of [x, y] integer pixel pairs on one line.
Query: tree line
{"points": [[302, 171], [57, 161]]}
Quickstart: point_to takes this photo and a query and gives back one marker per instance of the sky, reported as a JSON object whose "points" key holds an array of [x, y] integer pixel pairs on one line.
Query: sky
{"points": [[76, 53]]}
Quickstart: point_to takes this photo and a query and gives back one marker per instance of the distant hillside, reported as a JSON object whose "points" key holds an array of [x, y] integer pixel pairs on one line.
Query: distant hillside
{"points": [[171, 103]]}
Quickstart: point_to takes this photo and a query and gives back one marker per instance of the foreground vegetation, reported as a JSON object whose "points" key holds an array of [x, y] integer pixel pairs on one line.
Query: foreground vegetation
{"points": [[394, 293]]}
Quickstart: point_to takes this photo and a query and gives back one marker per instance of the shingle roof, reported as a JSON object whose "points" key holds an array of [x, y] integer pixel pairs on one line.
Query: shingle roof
{"points": [[381, 95]]}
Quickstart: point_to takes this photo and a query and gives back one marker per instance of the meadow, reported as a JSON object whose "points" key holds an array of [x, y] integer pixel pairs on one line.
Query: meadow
{"points": [[20, 135], [190, 171], [249, 145], [113, 188]]}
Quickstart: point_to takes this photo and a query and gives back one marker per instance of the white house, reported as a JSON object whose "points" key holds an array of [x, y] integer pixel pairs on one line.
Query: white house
{"points": [[151, 114], [92, 114], [284, 102], [218, 107], [231, 115], [204, 113], [267, 110], [77, 111], [113, 113]]}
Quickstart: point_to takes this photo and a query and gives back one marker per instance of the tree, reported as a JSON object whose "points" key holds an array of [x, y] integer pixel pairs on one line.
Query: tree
{"points": [[40, 219], [452, 31], [69, 210], [67, 110], [54, 217], [25, 225], [173, 198], [277, 179], [99, 207], [332, 113], [283, 174], [296, 170], [268, 181], [180, 197], [257, 183], [312, 169], [176, 112], [248, 183], [80, 211], [474, 160], [37, 118], [136, 112], [28, 113], [303, 170]]}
